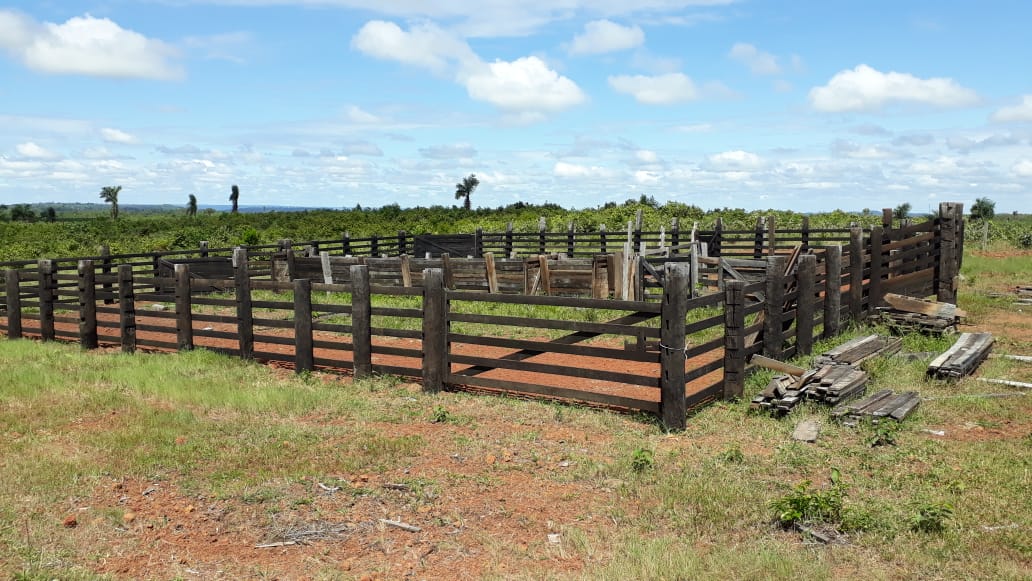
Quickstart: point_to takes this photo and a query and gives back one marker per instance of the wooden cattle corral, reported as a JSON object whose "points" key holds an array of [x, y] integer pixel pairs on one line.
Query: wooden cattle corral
{"points": [[685, 346]]}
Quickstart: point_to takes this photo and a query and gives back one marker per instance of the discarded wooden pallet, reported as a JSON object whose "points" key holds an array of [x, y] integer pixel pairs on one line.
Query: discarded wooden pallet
{"points": [[966, 354], [901, 323], [907, 304], [859, 350], [882, 405], [830, 384]]}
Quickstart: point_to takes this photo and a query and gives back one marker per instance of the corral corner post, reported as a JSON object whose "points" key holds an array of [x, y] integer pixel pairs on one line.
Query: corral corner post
{"points": [[12, 281], [47, 289], [950, 217], [184, 308], [126, 308], [435, 331], [832, 290], [734, 339], [672, 407], [773, 314], [245, 318], [87, 305], [361, 321], [805, 276], [304, 350]]}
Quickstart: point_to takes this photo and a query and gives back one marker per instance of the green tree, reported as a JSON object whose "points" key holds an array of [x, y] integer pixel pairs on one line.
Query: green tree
{"points": [[191, 206], [50, 215], [983, 209], [110, 195], [902, 211], [465, 188], [234, 196], [22, 213]]}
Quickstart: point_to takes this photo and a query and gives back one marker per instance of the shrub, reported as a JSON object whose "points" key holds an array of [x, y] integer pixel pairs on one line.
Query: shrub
{"points": [[804, 504], [932, 517], [643, 460]]}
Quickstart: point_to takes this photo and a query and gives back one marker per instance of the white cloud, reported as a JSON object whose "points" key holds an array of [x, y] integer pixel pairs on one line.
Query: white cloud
{"points": [[646, 156], [425, 45], [694, 128], [759, 62], [453, 151], [866, 89], [1023, 168], [646, 177], [85, 45], [656, 90], [1022, 112], [30, 150], [117, 136], [572, 170], [736, 159], [602, 36], [525, 84], [356, 114]]}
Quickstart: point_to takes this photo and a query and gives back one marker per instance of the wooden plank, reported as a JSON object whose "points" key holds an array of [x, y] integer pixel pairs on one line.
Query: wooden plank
{"points": [[361, 321], [555, 392], [435, 331], [552, 347], [805, 303], [45, 290], [546, 278], [491, 273], [832, 291], [924, 307], [87, 304], [768, 363], [406, 272], [304, 352], [578, 326], [672, 375]]}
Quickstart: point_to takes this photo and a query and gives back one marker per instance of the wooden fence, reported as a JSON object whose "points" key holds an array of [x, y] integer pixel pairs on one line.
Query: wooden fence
{"points": [[690, 347]]}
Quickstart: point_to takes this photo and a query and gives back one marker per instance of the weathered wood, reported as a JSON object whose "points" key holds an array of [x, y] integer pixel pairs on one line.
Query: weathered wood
{"points": [[832, 291], [950, 214], [546, 277], [856, 274], [805, 303], [929, 308], [491, 273], [126, 308], [672, 336], [768, 363], [184, 308], [12, 289], [46, 293], [1008, 383], [804, 234], [886, 218], [874, 296], [963, 357], [361, 321], [449, 276], [599, 283], [734, 339], [406, 271], [244, 311], [435, 331], [773, 311], [87, 304], [772, 235], [304, 352]]}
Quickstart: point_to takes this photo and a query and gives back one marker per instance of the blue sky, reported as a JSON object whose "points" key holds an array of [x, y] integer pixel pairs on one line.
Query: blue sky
{"points": [[333, 103]]}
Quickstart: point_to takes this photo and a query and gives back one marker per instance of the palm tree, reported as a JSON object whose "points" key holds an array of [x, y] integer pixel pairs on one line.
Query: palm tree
{"points": [[191, 206], [110, 195], [464, 188], [234, 196]]}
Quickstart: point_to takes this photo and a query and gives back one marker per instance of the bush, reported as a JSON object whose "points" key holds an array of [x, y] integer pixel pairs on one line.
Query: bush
{"points": [[805, 504], [1025, 239], [931, 518]]}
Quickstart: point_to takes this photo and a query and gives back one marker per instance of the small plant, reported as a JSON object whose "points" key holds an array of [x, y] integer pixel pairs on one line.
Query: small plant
{"points": [[1025, 239], [643, 460], [441, 416], [249, 237], [883, 434], [733, 455], [804, 504], [932, 517]]}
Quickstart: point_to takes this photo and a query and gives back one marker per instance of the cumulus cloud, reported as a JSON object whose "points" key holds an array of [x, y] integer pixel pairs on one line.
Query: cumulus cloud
{"points": [[1020, 112], [117, 136], [1023, 168], [424, 45], [356, 114], [656, 90], [526, 84], [759, 62], [602, 36], [563, 169], [31, 150], [736, 160], [453, 151], [85, 45], [867, 89]]}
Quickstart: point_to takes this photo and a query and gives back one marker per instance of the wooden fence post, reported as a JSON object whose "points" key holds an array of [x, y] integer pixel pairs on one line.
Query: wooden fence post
{"points": [[87, 305], [449, 275], [286, 246], [245, 316], [569, 239], [508, 239], [492, 275], [874, 296], [46, 298], [156, 270], [12, 282], [856, 273], [758, 239], [805, 234], [602, 239], [773, 310], [304, 351], [545, 276], [478, 242], [405, 268], [402, 250], [126, 308], [184, 308], [541, 234], [105, 269], [374, 246], [346, 244], [734, 339], [435, 331], [949, 229], [805, 303], [361, 321], [672, 405], [202, 248], [636, 242], [675, 234], [718, 237], [832, 290], [772, 234], [886, 218]]}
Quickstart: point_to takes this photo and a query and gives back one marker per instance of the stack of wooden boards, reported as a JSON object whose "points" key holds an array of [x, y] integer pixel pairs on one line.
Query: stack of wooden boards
{"points": [[906, 314], [966, 354], [835, 379], [881, 405], [1024, 293]]}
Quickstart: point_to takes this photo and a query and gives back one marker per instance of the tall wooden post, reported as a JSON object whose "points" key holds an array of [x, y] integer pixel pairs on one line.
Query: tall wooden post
{"points": [[772, 238], [346, 244], [832, 290], [184, 308], [46, 299], [304, 351], [636, 246], [875, 294], [675, 234], [718, 237], [541, 234], [508, 239], [773, 310], [87, 304], [435, 331], [478, 242], [805, 233], [490, 273], [734, 339], [156, 270], [672, 406], [569, 239], [886, 218], [758, 239], [12, 288], [374, 246], [602, 239], [402, 236], [126, 308], [805, 303], [287, 248], [949, 228], [105, 270], [202, 248], [245, 314], [361, 321], [856, 273]]}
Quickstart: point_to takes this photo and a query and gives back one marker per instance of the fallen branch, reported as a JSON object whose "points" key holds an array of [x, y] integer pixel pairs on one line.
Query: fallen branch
{"points": [[396, 486], [328, 488], [400, 525], [1008, 383], [273, 545], [1017, 394], [1022, 358], [776, 365]]}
